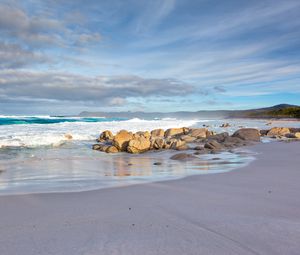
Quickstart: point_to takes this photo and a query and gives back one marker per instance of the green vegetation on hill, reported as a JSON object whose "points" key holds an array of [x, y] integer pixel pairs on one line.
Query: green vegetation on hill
{"points": [[288, 112]]}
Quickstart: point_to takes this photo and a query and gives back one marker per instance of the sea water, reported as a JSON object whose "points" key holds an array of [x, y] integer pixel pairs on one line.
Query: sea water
{"points": [[36, 154]]}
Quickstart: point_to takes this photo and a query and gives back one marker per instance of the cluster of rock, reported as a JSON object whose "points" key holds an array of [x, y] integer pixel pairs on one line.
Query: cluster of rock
{"points": [[281, 132], [203, 140]]}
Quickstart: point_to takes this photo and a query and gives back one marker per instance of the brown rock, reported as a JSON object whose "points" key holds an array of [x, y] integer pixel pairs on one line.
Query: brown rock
{"points": [[183, 156], [145, 134], [106, 136], [187, 138], [218, 137], [278, 131], [174, 131], [213, 145], [158, 133], [122, 139], [264, 132], [198, 132], [297, 134], [250, 134], [158, 143], [100, 147], [138, 145], [176, 144], [112, 149]]}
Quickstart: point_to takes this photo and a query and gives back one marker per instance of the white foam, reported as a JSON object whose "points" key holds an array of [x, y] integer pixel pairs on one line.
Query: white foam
{"points": [[33, 135]]}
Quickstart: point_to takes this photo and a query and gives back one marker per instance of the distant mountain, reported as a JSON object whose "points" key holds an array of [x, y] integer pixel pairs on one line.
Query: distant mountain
{"points": [[276, 111]]}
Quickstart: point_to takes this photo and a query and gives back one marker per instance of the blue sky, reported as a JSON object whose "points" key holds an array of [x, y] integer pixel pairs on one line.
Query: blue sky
{"points": [[63, 57]]}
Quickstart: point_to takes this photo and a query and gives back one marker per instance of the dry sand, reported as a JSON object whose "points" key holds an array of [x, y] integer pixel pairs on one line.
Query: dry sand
{"points": [[253, 210]]}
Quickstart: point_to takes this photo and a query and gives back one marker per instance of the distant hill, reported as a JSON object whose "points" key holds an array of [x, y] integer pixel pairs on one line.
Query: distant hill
{"points": [[276, 111]]}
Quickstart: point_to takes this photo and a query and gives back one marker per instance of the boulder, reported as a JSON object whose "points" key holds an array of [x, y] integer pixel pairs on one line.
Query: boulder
{"points": [[112, 149], [106, 136], [218, 137], [176, 144], [158, 143], [100, 147], [138, 145], [122, 139], [183, 156], [231, 142], [145, 134], [187, 138], [248, 134], [297, 134], [174, 131], [213, 145], [183, 147], [198, 132], [278, 131], [264, 132], [158, 133]]}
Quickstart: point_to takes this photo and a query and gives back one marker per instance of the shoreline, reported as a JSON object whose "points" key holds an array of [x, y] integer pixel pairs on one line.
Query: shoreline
{"points": [[251, 210]]}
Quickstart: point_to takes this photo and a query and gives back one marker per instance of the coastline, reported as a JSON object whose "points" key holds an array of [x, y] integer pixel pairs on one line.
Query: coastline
{"points": [[252, 210]]}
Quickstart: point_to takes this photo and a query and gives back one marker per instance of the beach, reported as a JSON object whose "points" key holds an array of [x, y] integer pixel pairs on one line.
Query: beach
{"points": [[251, 210]]}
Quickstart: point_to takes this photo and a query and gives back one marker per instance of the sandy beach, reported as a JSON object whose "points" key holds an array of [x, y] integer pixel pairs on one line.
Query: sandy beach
{"points": [[251, 210]]}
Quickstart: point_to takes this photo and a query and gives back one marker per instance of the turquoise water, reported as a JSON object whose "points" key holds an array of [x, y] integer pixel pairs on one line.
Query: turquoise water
{"points": [[51, 120]]}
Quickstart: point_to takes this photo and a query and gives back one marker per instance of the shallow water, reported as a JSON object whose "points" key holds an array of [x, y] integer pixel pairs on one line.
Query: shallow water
{"points": [[40, 159]]}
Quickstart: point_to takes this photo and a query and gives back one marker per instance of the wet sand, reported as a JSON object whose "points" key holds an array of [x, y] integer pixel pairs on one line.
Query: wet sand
{"points": [[252, 210]]}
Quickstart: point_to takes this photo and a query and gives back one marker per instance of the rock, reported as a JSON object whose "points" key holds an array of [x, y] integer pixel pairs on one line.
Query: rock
{"points": [[112, 149], [68, 136], [182, 147], [213, 145], [183, 156], [138, 145], [250, 134], [225, 125], [96, 147], [264, 132], [297, 134], [218, 137], [145, 134], [158, 143], [158, 133], [122, 139], [100, 147], [106, 136], [174, 131], [198, 132], [231, 142], [278, 131], [294, 130], [187, 138], [176, 144], [198, 148]]}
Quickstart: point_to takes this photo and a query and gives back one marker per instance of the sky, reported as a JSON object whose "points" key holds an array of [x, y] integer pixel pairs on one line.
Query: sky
{"points": [[62, 57]]}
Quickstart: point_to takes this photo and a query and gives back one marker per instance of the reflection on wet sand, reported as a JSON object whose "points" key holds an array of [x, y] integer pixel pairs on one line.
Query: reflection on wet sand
{"points": [[58, 170]]}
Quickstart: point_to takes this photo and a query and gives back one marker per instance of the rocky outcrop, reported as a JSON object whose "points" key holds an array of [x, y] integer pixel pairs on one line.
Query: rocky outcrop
{"points": [[278, 131], [122, 139], [248, 134]]}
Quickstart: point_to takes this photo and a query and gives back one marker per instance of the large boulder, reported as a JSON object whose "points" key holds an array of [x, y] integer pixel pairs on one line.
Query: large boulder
{"points": [[219, 137], [177, 144], [138, 145], [248, 134], [198, 132], [278, 131], [145, 134], [174, 131], [122, 139], [158, 133]]}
